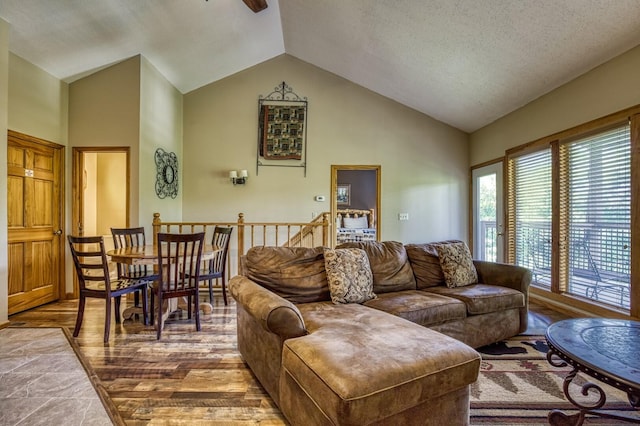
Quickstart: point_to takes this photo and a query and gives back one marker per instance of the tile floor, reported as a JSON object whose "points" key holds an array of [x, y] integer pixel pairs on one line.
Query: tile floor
{"points": [[43, 382]]}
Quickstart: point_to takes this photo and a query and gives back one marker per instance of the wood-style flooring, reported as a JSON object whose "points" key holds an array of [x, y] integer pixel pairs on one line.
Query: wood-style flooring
{"points": [[186, 378]]}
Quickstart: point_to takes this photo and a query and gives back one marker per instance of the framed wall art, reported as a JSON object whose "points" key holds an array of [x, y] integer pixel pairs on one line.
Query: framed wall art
{"points": [[282, 129], [344, 194]]}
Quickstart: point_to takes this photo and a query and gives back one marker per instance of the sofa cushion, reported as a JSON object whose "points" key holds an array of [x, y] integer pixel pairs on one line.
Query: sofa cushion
{"points": [[359, 365], [457, 264], [422, 308], [295, 273], [389, 265], [483, 298], [425, 264], [349, 275]]}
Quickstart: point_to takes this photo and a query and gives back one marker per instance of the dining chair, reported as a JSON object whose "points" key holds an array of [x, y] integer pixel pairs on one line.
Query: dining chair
{"points": [[217, 267], [92, 268], [132, 237], [179, 257]]}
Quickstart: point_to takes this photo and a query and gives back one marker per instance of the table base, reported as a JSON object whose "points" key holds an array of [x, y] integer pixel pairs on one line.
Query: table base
{"points": [[558, 418], [132, 311]]}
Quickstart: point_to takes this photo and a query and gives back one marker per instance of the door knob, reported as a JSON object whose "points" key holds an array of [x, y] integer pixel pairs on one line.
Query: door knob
{"points": [[58, 232]]}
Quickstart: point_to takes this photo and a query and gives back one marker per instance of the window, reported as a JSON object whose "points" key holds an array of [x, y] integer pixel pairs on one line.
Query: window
{"points": [[595, 188], [573, 216], [529, 222]]}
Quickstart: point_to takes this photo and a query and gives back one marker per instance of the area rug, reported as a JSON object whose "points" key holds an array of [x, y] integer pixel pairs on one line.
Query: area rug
{"points": [[518, 386], [44, 380]]}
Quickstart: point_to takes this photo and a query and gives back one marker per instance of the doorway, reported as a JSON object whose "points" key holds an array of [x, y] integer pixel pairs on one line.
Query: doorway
{"points": [[359, 190], [100, 191], [488, 216]]}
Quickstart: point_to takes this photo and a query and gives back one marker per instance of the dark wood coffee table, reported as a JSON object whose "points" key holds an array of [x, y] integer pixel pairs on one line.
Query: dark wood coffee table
{"points": [[605, 349]]}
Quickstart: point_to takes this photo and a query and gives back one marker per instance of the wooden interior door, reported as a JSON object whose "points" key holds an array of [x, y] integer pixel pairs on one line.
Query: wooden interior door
{"points": [[34, 216]]}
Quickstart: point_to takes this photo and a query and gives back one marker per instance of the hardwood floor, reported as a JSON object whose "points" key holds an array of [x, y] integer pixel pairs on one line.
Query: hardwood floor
{"points": [[187, 377]]}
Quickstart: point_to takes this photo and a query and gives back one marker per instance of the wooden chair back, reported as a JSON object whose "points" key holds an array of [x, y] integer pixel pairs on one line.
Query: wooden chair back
{"points": [[220, 239], [130, 237], [179, 256], [91, 264]]}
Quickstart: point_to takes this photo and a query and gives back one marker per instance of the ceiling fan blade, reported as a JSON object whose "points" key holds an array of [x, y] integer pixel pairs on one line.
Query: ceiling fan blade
{"points": [[256, 5]]}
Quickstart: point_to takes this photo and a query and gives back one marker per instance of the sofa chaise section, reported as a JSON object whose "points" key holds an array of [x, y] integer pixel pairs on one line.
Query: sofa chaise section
{"points": [[361, 366]]}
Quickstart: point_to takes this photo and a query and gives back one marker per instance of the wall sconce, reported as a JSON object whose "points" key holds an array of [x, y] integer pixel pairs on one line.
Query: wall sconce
{"points": [[238, 178]]}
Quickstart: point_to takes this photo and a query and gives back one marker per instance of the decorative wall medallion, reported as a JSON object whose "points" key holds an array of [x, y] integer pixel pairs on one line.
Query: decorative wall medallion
{"points": [[166, 173]]}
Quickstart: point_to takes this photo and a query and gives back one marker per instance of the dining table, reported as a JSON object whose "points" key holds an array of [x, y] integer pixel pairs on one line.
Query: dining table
{"points": [[148, 255]]}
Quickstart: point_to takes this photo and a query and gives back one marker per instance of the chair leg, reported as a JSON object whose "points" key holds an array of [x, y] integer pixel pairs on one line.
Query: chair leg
{"points": [[117, 306], [159, 325], [80, 316], [107, 319], [224, 289], [196, 308], [145, 318], [211, 291], [152, 312]]}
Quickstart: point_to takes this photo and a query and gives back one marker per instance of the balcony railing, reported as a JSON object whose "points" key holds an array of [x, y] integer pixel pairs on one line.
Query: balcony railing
{"points": [[599, 259], [488, 241]]}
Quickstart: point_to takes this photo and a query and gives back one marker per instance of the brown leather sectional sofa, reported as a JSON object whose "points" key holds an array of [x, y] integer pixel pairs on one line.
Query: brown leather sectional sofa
{"points": [[402, 358]]}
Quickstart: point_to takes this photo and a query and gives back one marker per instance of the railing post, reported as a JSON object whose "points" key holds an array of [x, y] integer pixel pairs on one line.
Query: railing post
{"points": [[156, 223], [326, 229], [240, 235]]}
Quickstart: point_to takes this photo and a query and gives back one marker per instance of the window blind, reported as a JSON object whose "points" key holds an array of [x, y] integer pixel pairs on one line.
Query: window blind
{"points": [[598, 194], [530, 213]]}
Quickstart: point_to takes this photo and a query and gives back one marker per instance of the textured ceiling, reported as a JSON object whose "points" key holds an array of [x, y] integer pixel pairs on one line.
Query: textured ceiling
{"points": [[464, 62]]}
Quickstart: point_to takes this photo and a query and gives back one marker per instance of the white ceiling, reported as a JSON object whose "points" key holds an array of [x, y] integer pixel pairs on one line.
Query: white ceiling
{"points": [[464, 62]]}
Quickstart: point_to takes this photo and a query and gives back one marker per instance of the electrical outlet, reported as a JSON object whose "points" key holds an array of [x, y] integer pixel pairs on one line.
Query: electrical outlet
{"points": [[403, 216]]}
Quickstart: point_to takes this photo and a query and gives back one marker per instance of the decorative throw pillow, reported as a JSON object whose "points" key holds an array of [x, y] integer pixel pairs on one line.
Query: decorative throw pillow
{"points": [[457, 264], [349, 275]]}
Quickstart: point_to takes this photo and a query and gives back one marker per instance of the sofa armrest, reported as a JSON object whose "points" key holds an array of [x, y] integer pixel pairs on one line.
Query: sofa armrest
{"points": [[504, 274], [276, 314], [507, 275]]}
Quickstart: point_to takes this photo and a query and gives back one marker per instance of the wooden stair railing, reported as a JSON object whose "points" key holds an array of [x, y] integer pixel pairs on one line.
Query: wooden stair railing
{"points": [[308, 235], [251, 234]]}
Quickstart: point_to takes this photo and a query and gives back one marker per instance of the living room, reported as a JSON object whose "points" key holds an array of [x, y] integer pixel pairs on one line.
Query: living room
{"points": [[132, 104]]}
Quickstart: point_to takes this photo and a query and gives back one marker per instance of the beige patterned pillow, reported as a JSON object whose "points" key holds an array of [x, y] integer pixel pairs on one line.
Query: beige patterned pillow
{"points": [[349, 275], [457, 264]]}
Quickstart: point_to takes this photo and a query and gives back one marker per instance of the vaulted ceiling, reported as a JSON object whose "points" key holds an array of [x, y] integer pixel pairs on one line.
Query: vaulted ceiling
{"points": [[464, 62]]}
